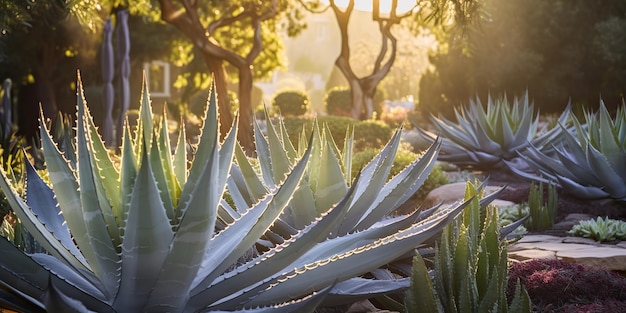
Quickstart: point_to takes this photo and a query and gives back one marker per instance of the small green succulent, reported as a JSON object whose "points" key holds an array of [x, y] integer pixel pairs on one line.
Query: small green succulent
{"points": [[470, 267], [589, 163], [485, 139], [600, 229]]}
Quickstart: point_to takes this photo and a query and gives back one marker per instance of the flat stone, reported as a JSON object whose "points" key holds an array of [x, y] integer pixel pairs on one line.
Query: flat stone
{"points": [[570, 249], [539, 238], [365, 307], [524, 255], [581, 240], [613, 259], [502, 203]]}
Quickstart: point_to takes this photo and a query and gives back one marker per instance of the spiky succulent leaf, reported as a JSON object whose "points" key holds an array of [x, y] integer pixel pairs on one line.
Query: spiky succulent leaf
{"points": [[589, 163], [487, 138]]}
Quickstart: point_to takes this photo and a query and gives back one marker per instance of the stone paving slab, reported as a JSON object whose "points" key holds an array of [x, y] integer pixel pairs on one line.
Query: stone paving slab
{"points": [[570, 249]]}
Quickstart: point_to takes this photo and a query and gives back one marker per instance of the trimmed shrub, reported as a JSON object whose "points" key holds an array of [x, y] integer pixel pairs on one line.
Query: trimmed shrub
{"points": [[336, 124], [338, 102], [371, 134], [291, 103], [367, 134]]}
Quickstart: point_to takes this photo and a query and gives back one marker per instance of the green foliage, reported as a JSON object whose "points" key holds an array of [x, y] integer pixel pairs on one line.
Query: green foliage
{"points": [[491, 138], [371, 134], [404, 157], [367, 134], [291, 103], [148, 230], [531, 45], [470, 266], [589, 162], [338, 101], [542, 213], [600, 229]]}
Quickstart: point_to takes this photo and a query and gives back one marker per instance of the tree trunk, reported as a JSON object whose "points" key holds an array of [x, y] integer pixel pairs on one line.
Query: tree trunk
{"points": [[246, 112], [357, 98], [221, 87], [362, 99], [363, 89]]}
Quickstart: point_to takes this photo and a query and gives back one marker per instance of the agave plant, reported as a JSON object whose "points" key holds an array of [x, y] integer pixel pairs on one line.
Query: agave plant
{"points": [[327, 178], [589, 164], [144, 232], [485, 139]]}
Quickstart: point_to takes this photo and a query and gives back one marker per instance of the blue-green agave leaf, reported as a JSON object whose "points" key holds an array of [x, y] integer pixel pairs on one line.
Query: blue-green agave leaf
{"points": [[157, 167], [230, 244], [254, 186], [307, 304], [18, 303], [31, 280], [264, 155], [373, 177], [187, 251], [95, 214], [259, 268], [331, 186], [359, 288], [109, 175], [180, 156], [147, 239], [165, 151], [291, 150], [278, 157], [128, 173], [401, 187], [65, 188], [361, 259]]}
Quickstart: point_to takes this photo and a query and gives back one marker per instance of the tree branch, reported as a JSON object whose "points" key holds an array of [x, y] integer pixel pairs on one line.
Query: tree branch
{"points": [[312, 6], [343, 19], [257, 44], [221, 22]]}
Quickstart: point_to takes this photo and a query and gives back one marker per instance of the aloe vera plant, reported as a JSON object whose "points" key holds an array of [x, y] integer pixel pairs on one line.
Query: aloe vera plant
{"points": [[589, 163], [485, 139], [470, 267], [144, 232]]}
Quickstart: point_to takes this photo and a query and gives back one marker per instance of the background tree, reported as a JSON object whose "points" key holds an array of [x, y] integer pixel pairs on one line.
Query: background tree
{"points": [[39, 42], [41, 46], [557, 50], [363, 89], [245, 22]]}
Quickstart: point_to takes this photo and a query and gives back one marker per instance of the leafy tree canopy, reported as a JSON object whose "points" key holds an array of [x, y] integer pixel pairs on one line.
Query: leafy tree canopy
{"points": [[557, 50]]}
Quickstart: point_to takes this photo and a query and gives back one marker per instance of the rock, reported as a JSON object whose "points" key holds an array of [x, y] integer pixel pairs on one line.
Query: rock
{"points": [[570, 249], [450, 193], [365, 307], [571, 220]]}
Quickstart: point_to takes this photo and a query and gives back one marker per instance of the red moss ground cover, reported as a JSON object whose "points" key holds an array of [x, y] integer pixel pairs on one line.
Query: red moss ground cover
{"points": [[558, 286]]}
